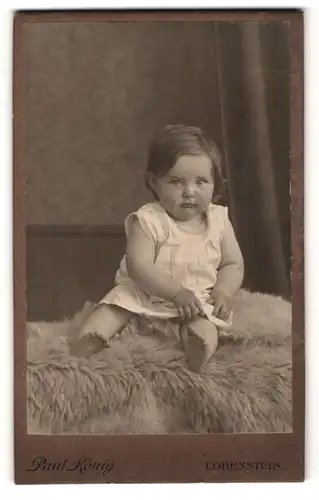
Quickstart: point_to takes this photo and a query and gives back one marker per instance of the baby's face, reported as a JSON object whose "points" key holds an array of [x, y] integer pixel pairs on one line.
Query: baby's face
{"points": [[186, 190]]}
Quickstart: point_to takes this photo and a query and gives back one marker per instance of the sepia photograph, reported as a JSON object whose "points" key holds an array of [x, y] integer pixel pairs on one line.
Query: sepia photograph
{"points": [[154, 191]]}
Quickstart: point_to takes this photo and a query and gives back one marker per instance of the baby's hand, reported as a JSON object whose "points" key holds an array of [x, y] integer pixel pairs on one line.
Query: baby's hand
{"points": [[221, 304], [187, 304], [88, 345]]}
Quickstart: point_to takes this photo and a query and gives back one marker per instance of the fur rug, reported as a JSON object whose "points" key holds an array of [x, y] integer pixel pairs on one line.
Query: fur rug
{"points": [[142, 385]]}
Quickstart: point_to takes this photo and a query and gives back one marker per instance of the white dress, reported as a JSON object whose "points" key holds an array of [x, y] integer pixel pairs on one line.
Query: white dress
{"points": [[192, 260]]}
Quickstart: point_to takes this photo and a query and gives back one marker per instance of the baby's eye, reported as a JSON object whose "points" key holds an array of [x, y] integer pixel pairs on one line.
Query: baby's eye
{"points": [[200, 182], [175, 182]]}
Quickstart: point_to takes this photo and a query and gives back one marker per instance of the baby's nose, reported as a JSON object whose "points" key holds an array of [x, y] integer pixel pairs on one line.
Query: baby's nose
{"points": [[189, 189]]}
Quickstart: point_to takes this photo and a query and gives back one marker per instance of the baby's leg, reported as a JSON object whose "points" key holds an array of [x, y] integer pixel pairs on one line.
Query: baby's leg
{"points": [[98, 328], [200, 341]]}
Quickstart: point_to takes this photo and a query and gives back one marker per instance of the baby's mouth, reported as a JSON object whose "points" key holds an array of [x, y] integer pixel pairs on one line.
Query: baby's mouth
{"points": [[188, 205]]}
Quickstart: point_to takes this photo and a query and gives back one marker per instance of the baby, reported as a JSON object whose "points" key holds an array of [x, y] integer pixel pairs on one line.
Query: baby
{"points": [[182, 258]]}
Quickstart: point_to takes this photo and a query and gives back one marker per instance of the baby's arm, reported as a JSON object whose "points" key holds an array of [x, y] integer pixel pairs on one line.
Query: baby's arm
{"points": [[231, 268], [230, 274], [140, 257]]}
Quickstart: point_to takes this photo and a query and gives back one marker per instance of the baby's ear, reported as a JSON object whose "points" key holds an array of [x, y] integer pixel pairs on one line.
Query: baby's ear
{"points": [[150, 181]]}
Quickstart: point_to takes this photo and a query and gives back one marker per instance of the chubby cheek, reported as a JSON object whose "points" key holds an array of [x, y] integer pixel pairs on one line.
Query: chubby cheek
{"points": [[170, 195], [204, 196]]}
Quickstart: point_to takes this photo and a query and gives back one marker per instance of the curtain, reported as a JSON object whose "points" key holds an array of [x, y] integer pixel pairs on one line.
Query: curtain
{"points": [[253, 75]]}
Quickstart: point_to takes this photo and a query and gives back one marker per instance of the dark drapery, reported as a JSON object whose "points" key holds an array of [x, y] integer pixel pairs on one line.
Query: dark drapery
{"points": [[253, 69]]}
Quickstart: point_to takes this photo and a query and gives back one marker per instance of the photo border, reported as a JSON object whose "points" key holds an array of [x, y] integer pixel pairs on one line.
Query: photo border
{"points": [[161, 458]]}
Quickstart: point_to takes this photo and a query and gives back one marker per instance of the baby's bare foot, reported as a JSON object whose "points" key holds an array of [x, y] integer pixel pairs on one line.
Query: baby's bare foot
{"points": [[202, 342], [88, 345]]}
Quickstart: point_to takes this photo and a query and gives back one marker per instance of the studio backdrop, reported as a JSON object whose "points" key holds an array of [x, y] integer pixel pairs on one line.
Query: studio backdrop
{"points": [[95, 95]]}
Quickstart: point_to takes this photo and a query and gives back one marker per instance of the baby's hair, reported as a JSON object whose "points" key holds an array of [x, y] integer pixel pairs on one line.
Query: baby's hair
{"points": [[174, 141]]}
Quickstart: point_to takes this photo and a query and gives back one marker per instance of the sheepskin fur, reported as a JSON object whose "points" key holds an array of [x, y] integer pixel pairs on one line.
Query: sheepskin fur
{"points": [[141, 384]]}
